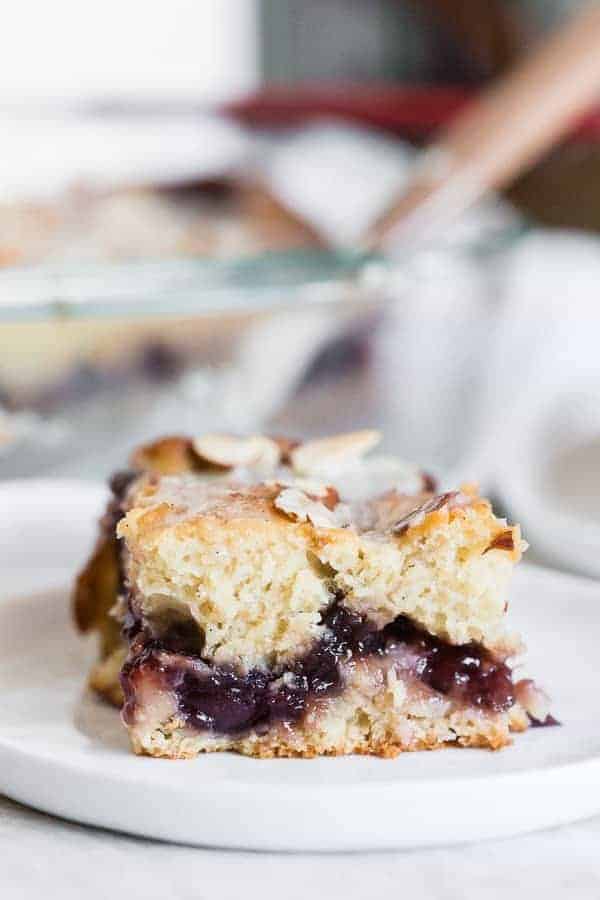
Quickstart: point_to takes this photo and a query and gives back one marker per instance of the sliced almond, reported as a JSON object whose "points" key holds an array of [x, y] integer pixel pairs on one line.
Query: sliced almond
{"points": [[533, 699], [376, 474], [300, 507], [316, 490], [325, 454], [417, 515], [231, 452], [503, 541], [330, 498]]}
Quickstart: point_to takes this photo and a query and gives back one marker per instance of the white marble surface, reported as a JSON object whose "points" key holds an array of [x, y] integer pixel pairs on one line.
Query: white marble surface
{"points": [[46, 857]]}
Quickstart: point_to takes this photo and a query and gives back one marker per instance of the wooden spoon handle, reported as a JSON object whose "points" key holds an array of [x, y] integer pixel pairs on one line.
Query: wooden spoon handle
{"points": [[497, 136]]}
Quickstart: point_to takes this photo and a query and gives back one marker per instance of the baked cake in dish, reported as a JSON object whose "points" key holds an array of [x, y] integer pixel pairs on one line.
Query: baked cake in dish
{"points": [[296, 599]]}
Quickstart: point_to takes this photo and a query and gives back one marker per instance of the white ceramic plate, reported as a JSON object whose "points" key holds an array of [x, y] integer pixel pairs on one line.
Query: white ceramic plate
{"points": [[65, 753]]}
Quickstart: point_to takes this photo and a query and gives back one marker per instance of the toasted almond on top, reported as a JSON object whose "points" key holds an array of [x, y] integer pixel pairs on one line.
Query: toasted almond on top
{"points": [[533, 699], [302, 508], [229, 451], [327, 453], [417, 515], [316, 490]]}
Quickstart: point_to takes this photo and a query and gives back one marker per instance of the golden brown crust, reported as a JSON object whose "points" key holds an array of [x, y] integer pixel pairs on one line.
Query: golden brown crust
{"points": [[96, 586], [167, 456], [460, 729], [104, 676], [95, 593], [111, 692]]}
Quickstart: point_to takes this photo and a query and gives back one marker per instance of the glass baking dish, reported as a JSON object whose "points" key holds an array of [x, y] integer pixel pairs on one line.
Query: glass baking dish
{"points": [[95, 357], [98, 354]]}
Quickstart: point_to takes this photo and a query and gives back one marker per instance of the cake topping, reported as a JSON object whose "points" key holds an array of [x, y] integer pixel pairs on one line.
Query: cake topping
{"points": [[322, 456], [335, 461], [316, 490], [231, 452], [417, 515], [303, 507]]}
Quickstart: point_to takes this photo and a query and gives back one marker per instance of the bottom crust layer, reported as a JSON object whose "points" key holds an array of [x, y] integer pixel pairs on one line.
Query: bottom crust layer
{"points": [[378, 713], [363, 734]]}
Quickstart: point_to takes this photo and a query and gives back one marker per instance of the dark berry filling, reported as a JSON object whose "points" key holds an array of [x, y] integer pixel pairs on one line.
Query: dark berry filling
{"points": [[225, 701]]}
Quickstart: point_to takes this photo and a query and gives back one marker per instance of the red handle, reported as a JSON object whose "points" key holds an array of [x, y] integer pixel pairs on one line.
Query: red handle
{"points": [[411, 112]]}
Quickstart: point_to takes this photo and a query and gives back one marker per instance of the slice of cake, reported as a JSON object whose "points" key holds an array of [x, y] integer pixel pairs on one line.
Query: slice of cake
{"points": [[100, 584], [284, 599]]}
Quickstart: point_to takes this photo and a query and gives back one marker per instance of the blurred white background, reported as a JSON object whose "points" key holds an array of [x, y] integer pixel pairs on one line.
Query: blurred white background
{"points": [[145, 50]]}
